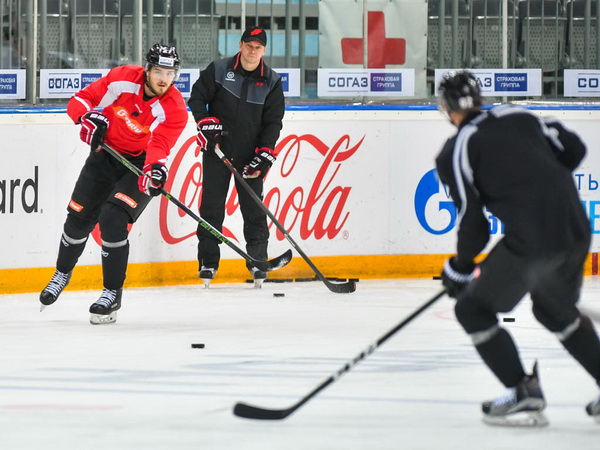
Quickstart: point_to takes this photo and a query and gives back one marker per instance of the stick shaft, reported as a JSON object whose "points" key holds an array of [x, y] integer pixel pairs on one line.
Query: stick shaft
{"points": [[335, 287], [262, 265], [253, 412]]}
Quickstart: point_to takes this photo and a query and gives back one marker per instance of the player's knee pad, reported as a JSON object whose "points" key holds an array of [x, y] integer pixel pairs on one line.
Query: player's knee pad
{"points": [[556, 323], [473, 318], [77, 229], [113, 223]]}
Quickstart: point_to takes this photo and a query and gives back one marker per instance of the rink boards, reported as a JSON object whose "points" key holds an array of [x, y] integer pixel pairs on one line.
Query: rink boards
{"points": [[354, 186]]}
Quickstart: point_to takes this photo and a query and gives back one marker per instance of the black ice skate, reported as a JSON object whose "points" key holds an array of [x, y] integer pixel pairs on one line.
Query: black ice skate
{"points": [[206, 274], [593, 409], [56, 285], [522, 405], [259, 277], [104, 310]]}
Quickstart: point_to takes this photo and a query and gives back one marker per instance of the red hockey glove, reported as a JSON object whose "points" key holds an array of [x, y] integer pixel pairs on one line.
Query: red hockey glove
{"points": [[454, 278], [209, 133], [154, 178], [261, 163], [93, 129]]}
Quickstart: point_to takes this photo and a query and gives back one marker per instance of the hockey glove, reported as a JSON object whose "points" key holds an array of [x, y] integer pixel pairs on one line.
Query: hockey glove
{"points": [[154, 178], [93, 129], [455, 278], [209, 133], [261, 163]]}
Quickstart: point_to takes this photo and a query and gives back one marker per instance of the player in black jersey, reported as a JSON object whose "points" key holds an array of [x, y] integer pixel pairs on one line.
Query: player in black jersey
{"points": [[518, 166]]}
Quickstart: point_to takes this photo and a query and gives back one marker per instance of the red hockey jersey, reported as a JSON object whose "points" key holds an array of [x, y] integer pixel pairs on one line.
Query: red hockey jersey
{"points": [[153, 125]]}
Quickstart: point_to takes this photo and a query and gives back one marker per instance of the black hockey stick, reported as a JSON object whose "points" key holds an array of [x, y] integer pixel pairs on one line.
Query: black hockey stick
{"points": [[272, 264], [256, 412], [340, 288]]}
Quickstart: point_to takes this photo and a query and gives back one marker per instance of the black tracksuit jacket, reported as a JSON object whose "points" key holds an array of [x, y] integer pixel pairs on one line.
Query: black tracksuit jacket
{"points": [[519, 167], [249, 105]]}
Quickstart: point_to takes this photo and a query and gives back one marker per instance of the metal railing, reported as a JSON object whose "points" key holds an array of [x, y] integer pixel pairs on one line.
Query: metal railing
{"points": [[54, 34]]}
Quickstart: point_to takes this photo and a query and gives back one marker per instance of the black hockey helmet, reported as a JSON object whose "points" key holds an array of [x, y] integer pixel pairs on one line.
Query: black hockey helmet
{"points": [[164, 56], [459, 91]]}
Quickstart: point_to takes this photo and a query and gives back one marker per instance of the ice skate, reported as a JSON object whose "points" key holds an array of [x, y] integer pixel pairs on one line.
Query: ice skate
{"points": [[206, 274], [104, 310], [56, 285], [259, 277], [522, 405], [593, 409]]}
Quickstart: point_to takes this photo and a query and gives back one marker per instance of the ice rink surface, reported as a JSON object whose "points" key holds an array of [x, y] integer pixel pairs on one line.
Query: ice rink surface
{"points": [[138, 384]]}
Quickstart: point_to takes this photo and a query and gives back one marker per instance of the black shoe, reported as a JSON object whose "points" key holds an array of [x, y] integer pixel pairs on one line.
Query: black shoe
{"points": [[206, 274], [259, 276], [56, 285], [526, 397], [104, 310], [593, 409]]}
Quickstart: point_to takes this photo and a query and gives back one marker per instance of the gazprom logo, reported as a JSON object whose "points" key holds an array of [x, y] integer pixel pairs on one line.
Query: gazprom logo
{"points": [[436, 211], [434, 208]]}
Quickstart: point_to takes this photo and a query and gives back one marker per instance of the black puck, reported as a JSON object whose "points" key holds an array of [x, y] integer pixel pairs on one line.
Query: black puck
{"points": [[197, 345], [508, 319], [278, 294]]}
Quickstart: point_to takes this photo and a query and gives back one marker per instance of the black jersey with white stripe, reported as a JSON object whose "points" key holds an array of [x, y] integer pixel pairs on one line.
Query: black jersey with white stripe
{"points": [[519, 167]]}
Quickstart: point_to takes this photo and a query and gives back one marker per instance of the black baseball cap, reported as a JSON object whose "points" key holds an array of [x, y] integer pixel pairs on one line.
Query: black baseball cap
{"points": [[257, 34]]}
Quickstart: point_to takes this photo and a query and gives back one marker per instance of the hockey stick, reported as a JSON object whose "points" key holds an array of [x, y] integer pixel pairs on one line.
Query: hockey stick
{"points": [[340, 288], [266, 266], [256, 412]]}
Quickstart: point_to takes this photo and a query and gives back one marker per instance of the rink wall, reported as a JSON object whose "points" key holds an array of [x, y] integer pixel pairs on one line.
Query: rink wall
{"points": [[355, 187]]}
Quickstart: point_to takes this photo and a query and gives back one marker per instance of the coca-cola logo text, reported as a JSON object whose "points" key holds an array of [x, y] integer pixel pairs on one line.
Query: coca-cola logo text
{"points": [[318, 211]]}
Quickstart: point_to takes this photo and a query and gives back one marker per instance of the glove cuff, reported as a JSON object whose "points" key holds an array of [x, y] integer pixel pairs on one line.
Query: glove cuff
{"points": [[455, 275], [266, 153]]}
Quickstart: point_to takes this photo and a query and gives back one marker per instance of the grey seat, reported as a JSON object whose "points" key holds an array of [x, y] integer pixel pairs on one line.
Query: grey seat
{"points": [[195, 32], [486, 41], [576, 39], [433, 33], [160, 27], [95, 26], [542, 34]]}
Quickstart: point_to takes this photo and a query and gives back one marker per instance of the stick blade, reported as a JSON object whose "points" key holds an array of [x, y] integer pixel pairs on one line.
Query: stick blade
{"points": [[342, 288], [275, 263], [254, 412]]}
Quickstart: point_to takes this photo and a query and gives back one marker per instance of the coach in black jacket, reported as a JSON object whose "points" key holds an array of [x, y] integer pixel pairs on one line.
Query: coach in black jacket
{"points": [[519, 167], [238, 103]]}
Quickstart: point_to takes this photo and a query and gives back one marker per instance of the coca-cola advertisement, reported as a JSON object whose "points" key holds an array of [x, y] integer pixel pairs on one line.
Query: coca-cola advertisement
{"points": [[346, 183]]}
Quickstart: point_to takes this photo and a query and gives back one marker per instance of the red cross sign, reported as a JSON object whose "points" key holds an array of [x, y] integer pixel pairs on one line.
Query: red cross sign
{"points": [[381, 51]]}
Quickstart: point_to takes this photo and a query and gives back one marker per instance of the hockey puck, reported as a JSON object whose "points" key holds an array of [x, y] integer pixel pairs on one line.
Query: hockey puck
{"points": [[278, 294], [197, 345], [508, 319]]}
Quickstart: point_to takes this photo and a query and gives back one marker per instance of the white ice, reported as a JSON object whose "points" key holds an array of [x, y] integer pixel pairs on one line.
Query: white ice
{"points": [[138, 384]]}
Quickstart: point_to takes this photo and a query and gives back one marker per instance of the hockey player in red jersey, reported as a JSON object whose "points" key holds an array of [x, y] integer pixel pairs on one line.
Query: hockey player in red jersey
{"points": [[142, 115]]}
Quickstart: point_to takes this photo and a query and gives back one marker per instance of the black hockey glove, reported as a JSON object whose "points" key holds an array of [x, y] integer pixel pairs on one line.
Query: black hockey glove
{"points": [[93, 129], [261, 163], [154, 178], [209, 133], [455, 278]]}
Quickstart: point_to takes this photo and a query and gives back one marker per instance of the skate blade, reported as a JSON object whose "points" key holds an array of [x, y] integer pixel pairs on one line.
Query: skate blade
{"points": [[206, 282], [103, 319], [42, 307], [521, 419], [258, 282]]}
